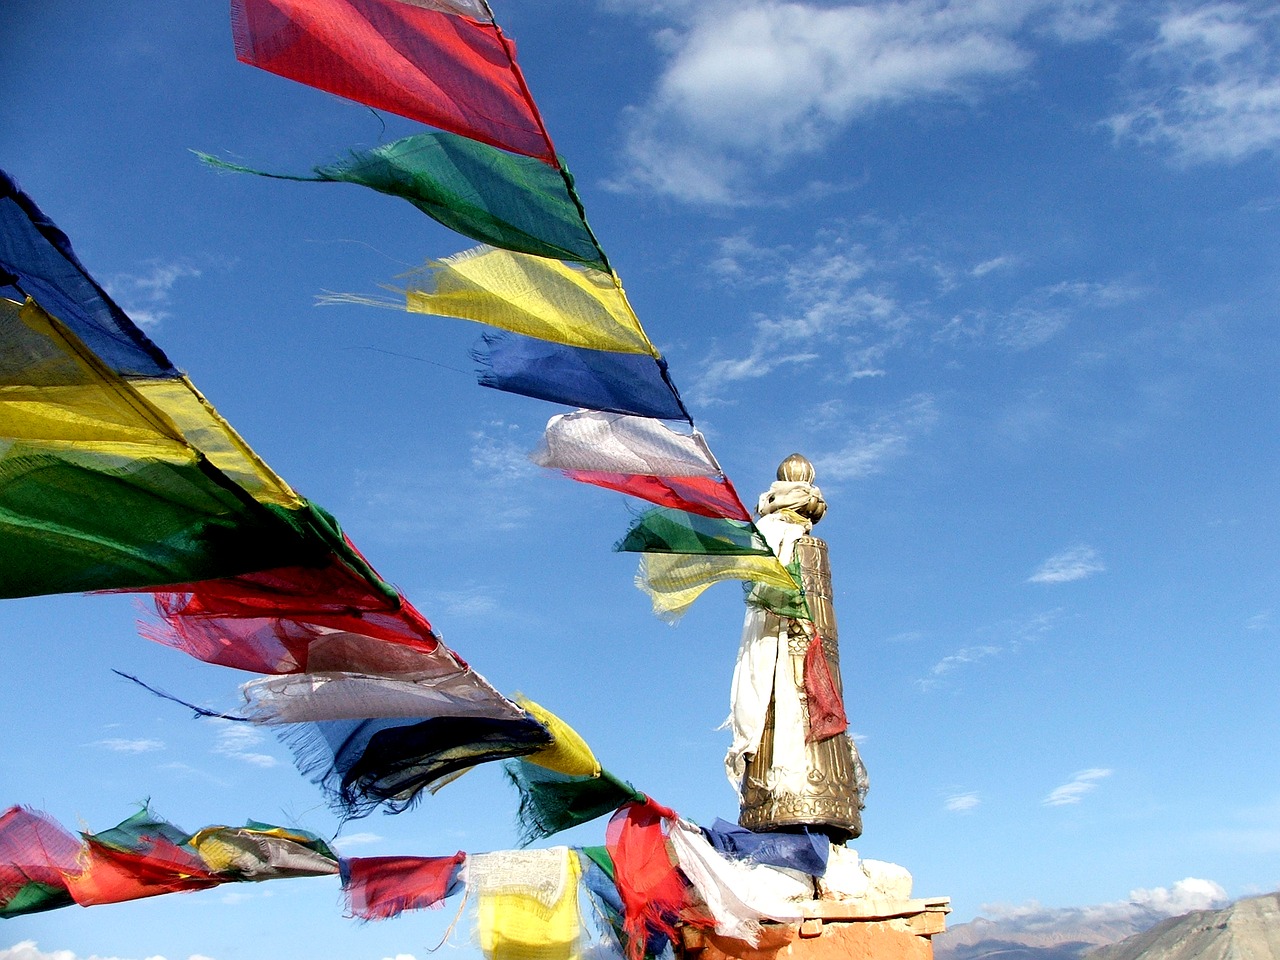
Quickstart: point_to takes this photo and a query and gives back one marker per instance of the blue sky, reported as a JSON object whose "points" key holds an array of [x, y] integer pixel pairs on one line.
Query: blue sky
{"points": [[1006, 271]]}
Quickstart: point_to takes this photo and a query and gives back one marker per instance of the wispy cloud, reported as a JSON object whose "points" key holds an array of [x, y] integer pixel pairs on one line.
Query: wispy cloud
{"points": [[751, 82], [237, 742], [869, 448], [145, 296], [1259, 621], [1071, 792], [827, 304], [358, 839], [125, 745], [1001, 639], [30, 950], [995, 263], [1209, 84], [957, 659], [962, 802], [1184, 896], [1075, 563]]}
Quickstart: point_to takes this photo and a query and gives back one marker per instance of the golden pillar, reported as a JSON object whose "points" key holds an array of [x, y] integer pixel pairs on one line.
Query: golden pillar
{"points": [[801, 774]]}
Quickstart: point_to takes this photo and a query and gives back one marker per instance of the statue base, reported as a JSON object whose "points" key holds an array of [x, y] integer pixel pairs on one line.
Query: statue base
{"points": [[832, 930]]}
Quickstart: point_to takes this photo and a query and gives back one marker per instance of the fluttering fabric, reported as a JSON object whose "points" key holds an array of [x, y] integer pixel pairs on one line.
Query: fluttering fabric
{"points": [[533, 296], [527, 905], [674, 580], [825, 704], [450, 71], [260, 851], [551, 802], [140, 857], [298, 619], [614, 443], [378, 888], [806, 852], [649, 884], [602, 380], [98, 487], [597, 871], [738, 895], [451, 690], [36, 854], [39, 261], [705, 496], [568, 753], [664, 530], [805, 709], [507, 200], [361, 765]]}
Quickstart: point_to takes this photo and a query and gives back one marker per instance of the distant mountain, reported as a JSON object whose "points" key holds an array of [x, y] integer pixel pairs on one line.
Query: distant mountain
{"points": [[1246, 930], [1068, 939]]}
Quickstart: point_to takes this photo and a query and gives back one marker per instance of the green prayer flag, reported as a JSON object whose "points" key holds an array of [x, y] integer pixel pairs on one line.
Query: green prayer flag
{"points": [[514, 202], [666, 530]]}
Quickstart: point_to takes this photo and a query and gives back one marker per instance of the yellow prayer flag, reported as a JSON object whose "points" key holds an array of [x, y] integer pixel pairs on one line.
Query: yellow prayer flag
{"points": [[534, 296], [568, 753]]}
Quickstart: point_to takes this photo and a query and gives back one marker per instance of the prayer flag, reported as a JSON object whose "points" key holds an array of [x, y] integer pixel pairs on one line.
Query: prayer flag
{"points": [[664, 530], [260, 851], [363, 764], [378, 888], [674, 581], [528, 904], [36, 854], [613, 443], [547, 299], [551, 802], [449, 71], [707, 496], [603, 380], [649, 884], [504, 199]]}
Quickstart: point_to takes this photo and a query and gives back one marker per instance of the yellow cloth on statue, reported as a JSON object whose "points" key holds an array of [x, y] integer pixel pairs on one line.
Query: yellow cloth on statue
{"points": [[534, 296], [528, 906], [674, 580], [568, 753]]}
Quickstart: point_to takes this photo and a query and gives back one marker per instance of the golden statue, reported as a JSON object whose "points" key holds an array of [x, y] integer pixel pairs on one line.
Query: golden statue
{"points": [[792, 760]]}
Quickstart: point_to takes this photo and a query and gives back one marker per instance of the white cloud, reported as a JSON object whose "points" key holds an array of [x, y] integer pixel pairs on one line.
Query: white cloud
{"points": [[754, 82], [237, 741], [1073, 564], [962, 802], [827, 303], [144, 296], [1071, 792], [1210, 84], [995, 263], [1184, 896], [869, 448], [124, 745], [1259, 621], [358, 839], [957, 659], [30, 950]]}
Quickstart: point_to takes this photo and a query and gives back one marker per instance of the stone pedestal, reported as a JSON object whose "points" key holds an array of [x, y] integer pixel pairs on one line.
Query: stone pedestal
{"points": [[887, 930]]}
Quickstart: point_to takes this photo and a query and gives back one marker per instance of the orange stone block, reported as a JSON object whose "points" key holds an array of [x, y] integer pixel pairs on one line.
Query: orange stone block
{"points": [[829, 940]]}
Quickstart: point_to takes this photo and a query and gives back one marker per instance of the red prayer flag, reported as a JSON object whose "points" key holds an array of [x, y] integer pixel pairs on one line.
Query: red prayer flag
{"points": [[378, 888], [650, 885], [33, 848], [707, 496], [445, 70], [110, 875]]}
